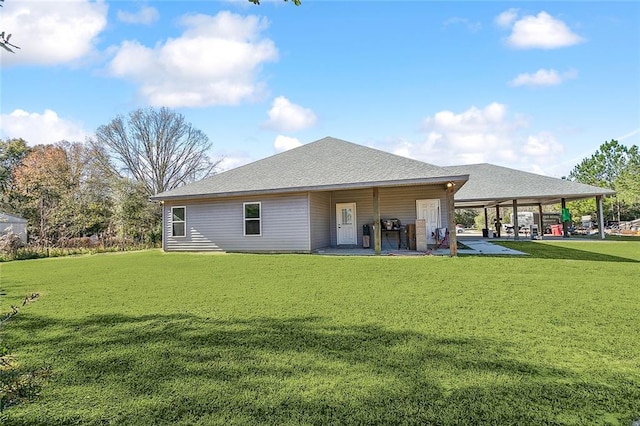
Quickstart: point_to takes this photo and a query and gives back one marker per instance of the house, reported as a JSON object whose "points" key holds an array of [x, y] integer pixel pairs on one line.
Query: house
{"points": [[17, 225], [317, 195], [322, 194]]}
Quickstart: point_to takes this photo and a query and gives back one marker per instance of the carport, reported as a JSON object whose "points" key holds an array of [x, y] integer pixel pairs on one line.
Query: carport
{"points": [[491, 186]]}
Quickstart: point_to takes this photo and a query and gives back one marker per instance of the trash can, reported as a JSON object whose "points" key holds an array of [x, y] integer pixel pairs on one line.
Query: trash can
{"points": [[485, 233], [366, 236]]}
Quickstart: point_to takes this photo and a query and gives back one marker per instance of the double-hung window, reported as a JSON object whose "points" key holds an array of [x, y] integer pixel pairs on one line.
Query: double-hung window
{"points": [[252, 219], [178, 221]]}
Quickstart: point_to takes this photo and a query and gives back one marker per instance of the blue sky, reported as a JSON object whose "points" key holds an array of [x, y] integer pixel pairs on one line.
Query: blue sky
{"points": [[536, 86]]}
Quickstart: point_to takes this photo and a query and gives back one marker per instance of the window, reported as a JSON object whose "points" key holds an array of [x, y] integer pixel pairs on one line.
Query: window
{"points": [[178, 221], [252, 219]]}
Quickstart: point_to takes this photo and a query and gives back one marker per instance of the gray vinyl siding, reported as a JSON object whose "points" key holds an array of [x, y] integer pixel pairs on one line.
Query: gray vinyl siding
{"points": [[299, 222], [218, 225], [400, 202], [397, 202], [320, 219], [364, 209], [197, 222]]}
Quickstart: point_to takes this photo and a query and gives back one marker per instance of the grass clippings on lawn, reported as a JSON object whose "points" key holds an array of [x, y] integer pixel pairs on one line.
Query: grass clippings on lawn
{"points": [[154, 338]]}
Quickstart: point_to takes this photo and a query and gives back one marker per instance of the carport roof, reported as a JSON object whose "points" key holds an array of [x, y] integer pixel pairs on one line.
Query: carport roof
{"points": [[490, 185]]}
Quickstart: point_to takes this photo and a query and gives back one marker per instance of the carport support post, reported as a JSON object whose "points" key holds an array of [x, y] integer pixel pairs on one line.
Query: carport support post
{"points": [[498, 221], [377, 232], [600, 216], [516, 227], [540, 222], [451, 209], [565, 224], [486, 219]]}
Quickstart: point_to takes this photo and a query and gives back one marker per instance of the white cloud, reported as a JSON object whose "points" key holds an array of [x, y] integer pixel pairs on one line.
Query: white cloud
{"points": [[542, 31], [285, 116], [36, 128], [470, 122], [285, 143], [481, 135], [542, 145], [146, 15], [473, 136], [471, 26], [50, 33], [215, 61], [231, 160], [506, 18], [542, 77]]}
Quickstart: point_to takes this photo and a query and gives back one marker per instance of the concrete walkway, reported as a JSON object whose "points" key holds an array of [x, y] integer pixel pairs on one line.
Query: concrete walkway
{"points": [[484, 247]]}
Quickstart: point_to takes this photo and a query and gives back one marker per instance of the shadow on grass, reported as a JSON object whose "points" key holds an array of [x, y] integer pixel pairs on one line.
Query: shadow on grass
{"points": [[551, 251], [169, 369]]}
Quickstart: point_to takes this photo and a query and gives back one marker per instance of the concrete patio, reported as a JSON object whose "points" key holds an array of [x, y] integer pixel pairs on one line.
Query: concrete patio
{"points": [[476, 247]]}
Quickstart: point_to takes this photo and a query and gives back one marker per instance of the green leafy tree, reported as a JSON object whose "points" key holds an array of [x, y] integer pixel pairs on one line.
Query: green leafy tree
{"points": [[41, 180], [63, 192], [85, 208], [604, 167], [12, 152], [466, 217], [628, 186], [134, 218], [609, 168]]}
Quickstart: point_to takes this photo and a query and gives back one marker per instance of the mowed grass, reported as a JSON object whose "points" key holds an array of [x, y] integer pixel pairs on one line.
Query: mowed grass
{"points": [[151, 338]]}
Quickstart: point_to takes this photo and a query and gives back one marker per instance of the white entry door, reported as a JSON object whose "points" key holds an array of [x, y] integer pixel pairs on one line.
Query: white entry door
{"points": [[429, 210], [346, 223]]}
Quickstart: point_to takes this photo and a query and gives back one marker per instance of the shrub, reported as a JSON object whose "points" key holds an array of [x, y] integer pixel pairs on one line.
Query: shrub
{"points": [[9, 244]]}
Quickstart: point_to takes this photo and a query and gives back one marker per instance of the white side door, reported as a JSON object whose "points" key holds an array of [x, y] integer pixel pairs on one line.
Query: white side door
{"points": [[346, 224], [429, 210]]}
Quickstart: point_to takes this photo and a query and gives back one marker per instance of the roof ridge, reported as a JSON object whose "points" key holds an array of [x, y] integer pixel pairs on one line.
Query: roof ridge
{"points": [[325, 163]]}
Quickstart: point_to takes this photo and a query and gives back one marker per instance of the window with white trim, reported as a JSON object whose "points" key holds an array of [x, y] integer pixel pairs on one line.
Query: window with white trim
{"points": [[178, 221], [252, 219]]}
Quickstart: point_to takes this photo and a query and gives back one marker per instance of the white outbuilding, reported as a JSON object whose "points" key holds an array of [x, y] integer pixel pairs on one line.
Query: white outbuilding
{"points": [[17, 225]]}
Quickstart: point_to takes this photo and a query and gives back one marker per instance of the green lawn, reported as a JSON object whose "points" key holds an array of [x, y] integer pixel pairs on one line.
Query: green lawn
{"points": [[151, 338]]}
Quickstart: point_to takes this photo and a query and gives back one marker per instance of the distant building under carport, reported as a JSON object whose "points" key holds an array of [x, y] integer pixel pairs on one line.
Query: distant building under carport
{"points": [[491, 186]]}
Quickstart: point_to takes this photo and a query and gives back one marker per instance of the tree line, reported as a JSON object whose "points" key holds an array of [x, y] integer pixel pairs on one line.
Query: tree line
{"points": [[614, 166], [97, 191]]}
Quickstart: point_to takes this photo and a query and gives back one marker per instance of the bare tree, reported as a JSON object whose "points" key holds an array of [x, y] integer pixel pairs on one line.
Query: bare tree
{"points": [[4, 39], [156, 147]]}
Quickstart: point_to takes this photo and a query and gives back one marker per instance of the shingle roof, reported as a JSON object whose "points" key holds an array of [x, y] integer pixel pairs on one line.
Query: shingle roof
{"points": [[328, 163], [501, 185]]}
